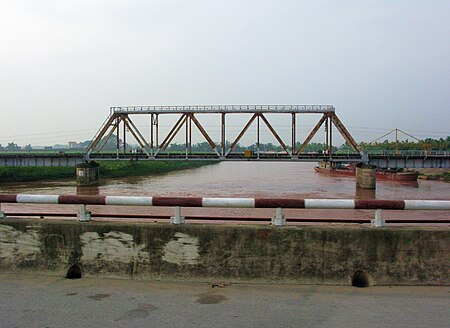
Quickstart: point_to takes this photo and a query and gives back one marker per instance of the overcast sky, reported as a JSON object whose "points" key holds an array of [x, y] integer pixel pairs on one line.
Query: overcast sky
{"points": [[382, 64]]}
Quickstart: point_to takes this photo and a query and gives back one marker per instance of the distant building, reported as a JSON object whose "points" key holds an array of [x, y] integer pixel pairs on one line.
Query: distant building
{"points": [[75, 145]]}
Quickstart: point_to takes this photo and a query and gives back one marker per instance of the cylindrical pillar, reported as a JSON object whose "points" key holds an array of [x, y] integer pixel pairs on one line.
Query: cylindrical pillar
{"points": [[365, 176], [87, 173]]}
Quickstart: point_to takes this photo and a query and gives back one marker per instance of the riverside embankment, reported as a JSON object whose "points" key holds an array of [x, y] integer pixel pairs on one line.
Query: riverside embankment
{"points": [[110, 169]]}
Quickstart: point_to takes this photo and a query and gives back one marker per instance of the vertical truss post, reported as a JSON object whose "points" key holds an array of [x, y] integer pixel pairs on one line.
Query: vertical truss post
{"points": [[190, 135], [331, 135], [294, 134], [326, 134], [157, 130], [257, 136], [124, 137], [117, 137], [151, 134], [187, 136], [223, 134]]}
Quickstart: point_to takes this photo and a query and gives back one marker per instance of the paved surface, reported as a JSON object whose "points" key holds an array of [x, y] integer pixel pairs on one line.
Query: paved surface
{"points": [[44, 301]]}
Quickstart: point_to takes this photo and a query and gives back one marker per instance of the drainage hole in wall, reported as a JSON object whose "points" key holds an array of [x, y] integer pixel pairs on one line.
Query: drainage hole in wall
{"points": [[360, 279], [74, 272]]}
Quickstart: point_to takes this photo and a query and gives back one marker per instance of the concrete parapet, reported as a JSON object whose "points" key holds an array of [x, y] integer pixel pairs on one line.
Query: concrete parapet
{"points": [[305, 255]]}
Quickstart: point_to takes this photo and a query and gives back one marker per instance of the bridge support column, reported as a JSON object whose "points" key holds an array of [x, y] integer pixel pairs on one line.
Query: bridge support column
{"points": [[87, 173], [365, 176]]}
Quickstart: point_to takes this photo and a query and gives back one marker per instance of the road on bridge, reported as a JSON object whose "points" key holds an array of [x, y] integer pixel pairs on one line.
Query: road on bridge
{"points": [[45, 301]]}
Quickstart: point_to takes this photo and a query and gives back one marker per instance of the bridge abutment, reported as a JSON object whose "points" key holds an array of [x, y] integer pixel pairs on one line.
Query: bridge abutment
{"points": [[88, 173]]}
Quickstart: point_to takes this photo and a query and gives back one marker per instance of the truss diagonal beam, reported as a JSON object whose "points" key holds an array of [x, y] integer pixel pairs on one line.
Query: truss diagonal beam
{"points": [[105, 140], [143, 143], [235, 142], [312, 133], [275, 134], [204, 133], [344, 132], [173, 132], [135, 135], [102, 131]]}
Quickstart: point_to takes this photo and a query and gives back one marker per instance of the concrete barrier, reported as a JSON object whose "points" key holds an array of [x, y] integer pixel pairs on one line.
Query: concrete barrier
{"points": [[292, 254]]}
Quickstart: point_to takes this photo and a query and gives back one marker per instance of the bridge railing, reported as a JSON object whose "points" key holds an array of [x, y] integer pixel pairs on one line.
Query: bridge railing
{"points": [[225, 108], [279, 218], [413, 152]]}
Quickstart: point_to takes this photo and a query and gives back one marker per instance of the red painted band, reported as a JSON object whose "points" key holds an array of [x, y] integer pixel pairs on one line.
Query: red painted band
{"points": [[379, 204], [82, 199], [178, 201], [273, 203], [8, 198]]}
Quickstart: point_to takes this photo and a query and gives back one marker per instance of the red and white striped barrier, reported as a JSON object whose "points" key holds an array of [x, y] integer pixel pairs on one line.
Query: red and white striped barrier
{"points": [[231, 202]]}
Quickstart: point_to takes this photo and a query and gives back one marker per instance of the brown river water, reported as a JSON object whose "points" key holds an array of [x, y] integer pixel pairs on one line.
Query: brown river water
{"points": [[240, 179]]}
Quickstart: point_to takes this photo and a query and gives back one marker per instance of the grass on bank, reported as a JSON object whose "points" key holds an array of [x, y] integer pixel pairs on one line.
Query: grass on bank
{"points": [[110, 169]]}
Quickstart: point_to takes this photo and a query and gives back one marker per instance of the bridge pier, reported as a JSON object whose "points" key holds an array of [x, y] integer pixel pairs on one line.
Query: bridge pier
{"points": [[87, 173], [366, 176]]}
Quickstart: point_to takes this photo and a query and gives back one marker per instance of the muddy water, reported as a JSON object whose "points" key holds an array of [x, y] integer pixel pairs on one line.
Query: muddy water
{"points": [[246, 179]]}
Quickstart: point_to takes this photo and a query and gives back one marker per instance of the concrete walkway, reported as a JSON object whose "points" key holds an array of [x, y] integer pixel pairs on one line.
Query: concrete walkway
{"points": [[48, 301]]}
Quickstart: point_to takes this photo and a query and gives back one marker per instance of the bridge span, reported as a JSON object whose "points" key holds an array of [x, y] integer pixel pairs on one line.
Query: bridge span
{"points": [[119, 127]]}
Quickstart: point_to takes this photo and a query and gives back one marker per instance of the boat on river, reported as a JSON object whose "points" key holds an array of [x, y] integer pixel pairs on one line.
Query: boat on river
{"points": [[382, 174]]}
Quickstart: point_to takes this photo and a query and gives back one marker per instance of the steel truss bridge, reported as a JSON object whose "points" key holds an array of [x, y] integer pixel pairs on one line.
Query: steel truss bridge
{"points": [[120, 123], [155, 147]]}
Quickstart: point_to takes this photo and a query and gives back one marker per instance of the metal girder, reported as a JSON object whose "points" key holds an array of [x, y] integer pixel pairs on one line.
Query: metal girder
{"points": [[152, 148]]}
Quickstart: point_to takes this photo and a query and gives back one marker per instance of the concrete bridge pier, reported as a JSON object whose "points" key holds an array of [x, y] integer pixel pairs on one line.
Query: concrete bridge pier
{"points": [[366, 176], [88, 173]]}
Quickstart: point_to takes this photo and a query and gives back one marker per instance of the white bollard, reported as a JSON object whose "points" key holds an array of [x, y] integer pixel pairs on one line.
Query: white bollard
{"points": [[177, 219], [83, 214], [377, 221], [279, 219]]}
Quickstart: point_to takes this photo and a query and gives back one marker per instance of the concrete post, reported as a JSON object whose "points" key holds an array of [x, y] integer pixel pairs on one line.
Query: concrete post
{"points": [[84, 215], [87, 174], [279, 219], [2, 214], [377, 221], [177, 219], [366, 176]]}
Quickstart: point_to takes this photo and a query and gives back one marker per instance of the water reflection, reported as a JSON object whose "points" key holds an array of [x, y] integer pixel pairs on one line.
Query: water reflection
{"points": [[362, 193], [88, 190]]}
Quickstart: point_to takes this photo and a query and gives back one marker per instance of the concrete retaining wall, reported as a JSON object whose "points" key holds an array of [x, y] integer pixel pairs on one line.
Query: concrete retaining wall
{"points": [[307, 255]]}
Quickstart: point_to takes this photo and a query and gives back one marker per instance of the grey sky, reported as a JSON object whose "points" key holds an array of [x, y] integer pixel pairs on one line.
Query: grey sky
{"points": [[382, 64]]}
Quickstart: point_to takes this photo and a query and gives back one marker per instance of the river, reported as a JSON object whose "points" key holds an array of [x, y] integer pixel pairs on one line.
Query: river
{"points": [[243, 179]]}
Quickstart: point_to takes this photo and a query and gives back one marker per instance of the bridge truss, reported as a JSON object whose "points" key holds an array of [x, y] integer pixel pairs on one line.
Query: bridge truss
{"points": [[120, 123]]}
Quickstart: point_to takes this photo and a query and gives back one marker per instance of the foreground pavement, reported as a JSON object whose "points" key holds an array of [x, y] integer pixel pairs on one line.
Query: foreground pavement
{"points": [[49, 301]]}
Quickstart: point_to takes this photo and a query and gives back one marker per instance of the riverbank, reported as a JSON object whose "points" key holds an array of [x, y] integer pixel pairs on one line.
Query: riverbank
{"points": [[434, 174], [110, 169]]}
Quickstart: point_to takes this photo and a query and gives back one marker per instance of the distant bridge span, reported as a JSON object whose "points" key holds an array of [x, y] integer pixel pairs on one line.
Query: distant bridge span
{"points": [[120, 123]]}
